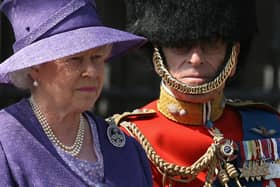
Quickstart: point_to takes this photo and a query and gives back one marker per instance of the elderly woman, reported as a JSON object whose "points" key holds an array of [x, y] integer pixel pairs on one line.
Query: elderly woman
{"points": [[50, 139]]}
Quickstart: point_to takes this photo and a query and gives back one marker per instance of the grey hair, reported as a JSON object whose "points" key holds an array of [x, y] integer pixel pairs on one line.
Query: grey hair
{"points": [[21, 79]]}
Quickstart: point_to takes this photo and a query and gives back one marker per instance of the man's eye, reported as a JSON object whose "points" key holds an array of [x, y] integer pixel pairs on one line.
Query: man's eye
{"points": [[212, 45], [182, 51]]}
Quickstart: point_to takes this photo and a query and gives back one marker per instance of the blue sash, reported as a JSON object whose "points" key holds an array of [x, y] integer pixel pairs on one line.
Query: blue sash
{"points": [[253, 118]]}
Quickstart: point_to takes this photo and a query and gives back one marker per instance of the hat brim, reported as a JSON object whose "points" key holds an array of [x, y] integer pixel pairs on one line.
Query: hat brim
{"points": [[69, 43]]}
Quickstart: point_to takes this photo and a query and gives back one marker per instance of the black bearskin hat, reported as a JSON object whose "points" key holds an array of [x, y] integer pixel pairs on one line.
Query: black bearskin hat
{"points": [[177, 23]]}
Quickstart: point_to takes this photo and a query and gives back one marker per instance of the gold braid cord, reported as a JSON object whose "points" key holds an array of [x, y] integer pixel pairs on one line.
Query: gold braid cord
{"points": [[200, 89], [215, 161], [172, 170]]}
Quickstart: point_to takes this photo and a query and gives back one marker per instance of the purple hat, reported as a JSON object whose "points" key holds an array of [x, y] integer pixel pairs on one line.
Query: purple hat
{"points": [[46, 30]]}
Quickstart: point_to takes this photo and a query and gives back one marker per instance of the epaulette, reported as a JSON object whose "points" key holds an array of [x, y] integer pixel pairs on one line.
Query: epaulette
{"points": [[116, 119], [237, 103]]}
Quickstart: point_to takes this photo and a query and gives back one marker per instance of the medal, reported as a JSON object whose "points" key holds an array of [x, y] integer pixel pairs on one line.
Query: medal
{"points": [[228, 150], [254, 170]]}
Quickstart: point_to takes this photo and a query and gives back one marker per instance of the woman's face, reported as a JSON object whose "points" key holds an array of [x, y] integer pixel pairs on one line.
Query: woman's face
{"points": [[74, 82], [196, 65]]}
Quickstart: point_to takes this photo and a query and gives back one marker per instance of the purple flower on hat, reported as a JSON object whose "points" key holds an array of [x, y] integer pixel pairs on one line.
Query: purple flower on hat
{"points": [[52, 29]]}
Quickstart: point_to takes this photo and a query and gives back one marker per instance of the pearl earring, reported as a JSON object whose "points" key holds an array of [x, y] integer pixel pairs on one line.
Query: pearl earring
{"points": [[35, 83]]}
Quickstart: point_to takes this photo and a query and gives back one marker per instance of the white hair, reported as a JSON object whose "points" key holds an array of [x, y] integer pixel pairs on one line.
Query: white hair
{"points": [[21, 79]]}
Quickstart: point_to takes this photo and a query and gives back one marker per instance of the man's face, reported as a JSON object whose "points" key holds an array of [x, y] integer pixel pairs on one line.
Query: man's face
{"points": [[196, 65]]}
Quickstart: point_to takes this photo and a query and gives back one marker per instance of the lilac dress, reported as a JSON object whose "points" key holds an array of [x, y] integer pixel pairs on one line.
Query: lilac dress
{"points": [[28, 158]]}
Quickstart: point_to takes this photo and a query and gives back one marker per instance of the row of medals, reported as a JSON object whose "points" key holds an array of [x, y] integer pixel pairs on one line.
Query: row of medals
{"points": [[254, 170]]}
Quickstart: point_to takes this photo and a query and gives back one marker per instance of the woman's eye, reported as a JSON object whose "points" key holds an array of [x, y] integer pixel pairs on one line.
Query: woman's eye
{"points": [[95, 58], [75, 59]]}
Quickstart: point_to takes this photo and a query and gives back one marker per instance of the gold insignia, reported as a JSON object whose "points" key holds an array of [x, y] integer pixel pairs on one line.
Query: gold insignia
{"points": [[185, 112]]}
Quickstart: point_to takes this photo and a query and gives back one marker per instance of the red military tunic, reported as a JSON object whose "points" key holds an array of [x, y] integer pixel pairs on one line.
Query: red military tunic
{"points": [[184, 144]]}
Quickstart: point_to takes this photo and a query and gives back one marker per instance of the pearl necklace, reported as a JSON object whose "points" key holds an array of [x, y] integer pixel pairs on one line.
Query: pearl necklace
{"points": [[74, 149]]}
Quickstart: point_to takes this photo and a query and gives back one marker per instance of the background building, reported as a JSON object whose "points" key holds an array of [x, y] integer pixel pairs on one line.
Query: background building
{"points": [[131, 81]]}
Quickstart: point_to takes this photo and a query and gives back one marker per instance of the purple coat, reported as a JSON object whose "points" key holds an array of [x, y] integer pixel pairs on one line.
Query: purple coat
{"points": [[28, 158]]}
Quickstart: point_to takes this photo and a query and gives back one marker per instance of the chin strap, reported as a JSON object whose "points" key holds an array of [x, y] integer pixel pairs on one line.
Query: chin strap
{"points": [[194, 90]]}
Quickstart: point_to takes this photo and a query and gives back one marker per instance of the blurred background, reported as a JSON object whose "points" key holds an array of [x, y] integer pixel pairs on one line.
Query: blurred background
{"points": [[131, 81]]}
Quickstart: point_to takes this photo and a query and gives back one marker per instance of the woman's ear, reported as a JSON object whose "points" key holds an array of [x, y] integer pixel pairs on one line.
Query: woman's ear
{"points": [[34, 72], [237, 50]]}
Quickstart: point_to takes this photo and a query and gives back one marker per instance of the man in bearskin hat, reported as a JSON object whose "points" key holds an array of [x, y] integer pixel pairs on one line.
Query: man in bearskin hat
{"points": [[192, 134]]}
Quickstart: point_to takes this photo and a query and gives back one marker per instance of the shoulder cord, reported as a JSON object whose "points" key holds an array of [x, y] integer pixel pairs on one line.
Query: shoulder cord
{"points": [[171, 170], [210, 160]]}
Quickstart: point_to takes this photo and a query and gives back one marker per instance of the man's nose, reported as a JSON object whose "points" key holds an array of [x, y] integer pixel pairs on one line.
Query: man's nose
{"points": [[195, 56]]}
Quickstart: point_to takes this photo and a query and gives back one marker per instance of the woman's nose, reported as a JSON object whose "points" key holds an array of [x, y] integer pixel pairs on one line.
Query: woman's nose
{"points": [[89, 69]]}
